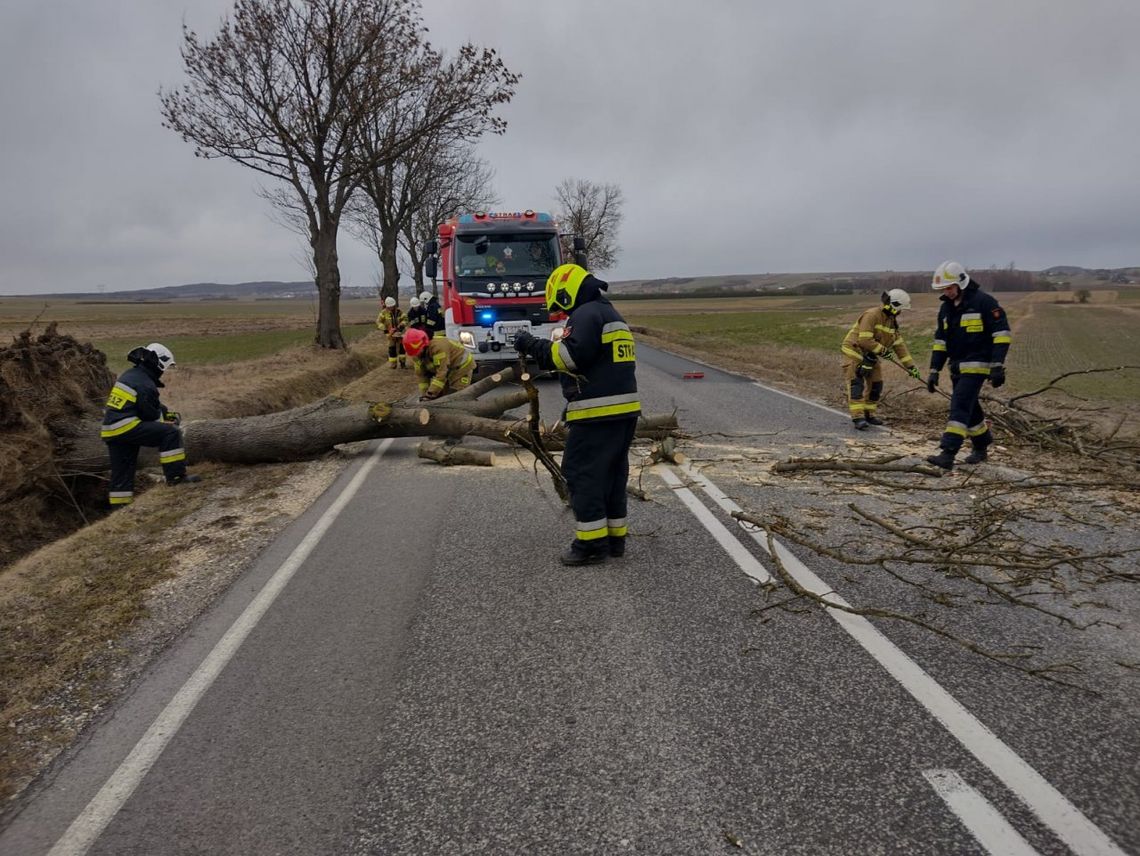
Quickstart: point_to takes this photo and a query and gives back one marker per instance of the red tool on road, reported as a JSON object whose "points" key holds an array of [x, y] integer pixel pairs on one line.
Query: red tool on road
{"points": [[692, 375]]}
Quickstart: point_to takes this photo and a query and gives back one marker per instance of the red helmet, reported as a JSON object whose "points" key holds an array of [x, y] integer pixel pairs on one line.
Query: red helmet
{"points": [[414, 341]]}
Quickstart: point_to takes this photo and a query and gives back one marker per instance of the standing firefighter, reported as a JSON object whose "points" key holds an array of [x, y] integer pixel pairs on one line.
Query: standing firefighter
{"points": [[597, 363], [441, 365], [875, 335], [135, 417], [417, 315], [393, 322], [433, 315], [973, 336]]}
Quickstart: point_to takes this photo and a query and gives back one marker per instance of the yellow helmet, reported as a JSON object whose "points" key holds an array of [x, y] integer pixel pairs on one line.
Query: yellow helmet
{"points": [[562, 286]]}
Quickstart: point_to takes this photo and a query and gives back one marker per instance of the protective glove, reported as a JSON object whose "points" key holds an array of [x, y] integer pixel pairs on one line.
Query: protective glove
{"points": [[524, 341], [172, 416], [888, 354], [915, 373], [931, 381], [867, 366], [997, 376]]}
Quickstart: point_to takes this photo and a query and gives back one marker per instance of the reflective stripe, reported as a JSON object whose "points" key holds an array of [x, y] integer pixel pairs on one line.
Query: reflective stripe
{"points": [[615, 523], [562, 359], [884, 328], [956, 428], [606, 405], [855, 407], [863, 334], [121, 497], [592, 530], [938, 346], [617, 335], [980, 428], [1002, 337], [974, 368], [120, 427], [121, 395], [851, 352], [437, 383], [971, 317], [612, 326], [172, 455]]}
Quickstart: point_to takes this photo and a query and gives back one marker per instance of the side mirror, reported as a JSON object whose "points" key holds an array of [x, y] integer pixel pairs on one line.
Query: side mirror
{"points": [[430, 269], [579, 244], [431, 248]]}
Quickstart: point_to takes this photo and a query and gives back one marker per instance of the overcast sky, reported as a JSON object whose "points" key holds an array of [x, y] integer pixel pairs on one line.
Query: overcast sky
{"points": [[748, 136]]}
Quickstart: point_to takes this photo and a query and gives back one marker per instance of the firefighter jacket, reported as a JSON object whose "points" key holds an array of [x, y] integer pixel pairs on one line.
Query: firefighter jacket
{"points": [[973, 336], [416, 318], [433, 319], [441, 365], [876, 331], [392, 321], [595, 358], [133, 400]]}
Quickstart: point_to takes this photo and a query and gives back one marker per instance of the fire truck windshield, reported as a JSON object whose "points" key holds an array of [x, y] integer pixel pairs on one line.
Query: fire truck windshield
{"points": [[533, 256]]}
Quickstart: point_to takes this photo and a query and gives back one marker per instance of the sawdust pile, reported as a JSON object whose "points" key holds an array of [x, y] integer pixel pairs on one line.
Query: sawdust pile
{"points": [[51, 386]]}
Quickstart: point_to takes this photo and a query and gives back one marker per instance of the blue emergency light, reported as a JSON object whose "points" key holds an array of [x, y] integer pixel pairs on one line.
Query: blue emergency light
{"points": [[487, 316]]}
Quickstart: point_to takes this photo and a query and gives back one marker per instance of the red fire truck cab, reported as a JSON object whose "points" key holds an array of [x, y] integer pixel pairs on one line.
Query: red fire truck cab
{"points": [[494, 268]]}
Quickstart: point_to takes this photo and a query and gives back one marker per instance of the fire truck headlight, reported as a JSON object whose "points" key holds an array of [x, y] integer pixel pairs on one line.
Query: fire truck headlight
{"points": [[518, 287], [466, 339], [530, 286]]}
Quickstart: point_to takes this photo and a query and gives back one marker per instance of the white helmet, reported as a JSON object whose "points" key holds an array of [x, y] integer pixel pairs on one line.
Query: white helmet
{"points": [[948, 274], [897, 299], [425, 296], [164, 354], [389, 302], [414, 302]]}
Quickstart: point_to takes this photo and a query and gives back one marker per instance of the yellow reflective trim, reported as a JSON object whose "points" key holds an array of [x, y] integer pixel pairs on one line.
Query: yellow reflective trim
{"points": [[1002, 340], [556, 356], [618, 531], [866, 335], [624, 351], [172, 456], [119, 428], [851, 352], [954, 429], [121, 500], [120, 396], [938, 346], [607, 410], [615, 335], [591, 534]]}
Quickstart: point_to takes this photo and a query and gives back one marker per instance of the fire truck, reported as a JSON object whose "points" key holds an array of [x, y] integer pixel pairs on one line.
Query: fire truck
{"points": [[494, 267]]}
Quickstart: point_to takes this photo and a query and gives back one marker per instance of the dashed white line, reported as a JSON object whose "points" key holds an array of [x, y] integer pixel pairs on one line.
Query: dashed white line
{"points": [[1068, 822], [117, 790], [983, 821]]}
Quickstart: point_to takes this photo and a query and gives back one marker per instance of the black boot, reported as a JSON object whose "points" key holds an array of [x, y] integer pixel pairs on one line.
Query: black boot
{"points": [[976, 456], [872, 419], [575, 555], [617, 546], [860, 424], [944, 459], [188, 478]]}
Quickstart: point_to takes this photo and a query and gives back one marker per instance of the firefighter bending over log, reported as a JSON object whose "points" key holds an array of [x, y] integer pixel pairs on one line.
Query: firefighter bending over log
{"points": [[442, 365]]}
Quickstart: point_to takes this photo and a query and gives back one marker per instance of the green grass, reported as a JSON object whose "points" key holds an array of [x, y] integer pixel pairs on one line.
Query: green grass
{"points": [[203, 350]]}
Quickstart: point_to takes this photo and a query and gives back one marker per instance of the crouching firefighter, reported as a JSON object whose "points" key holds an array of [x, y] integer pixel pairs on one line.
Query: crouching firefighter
{"points": [[596, 362], [874, 336], [135, 417]]}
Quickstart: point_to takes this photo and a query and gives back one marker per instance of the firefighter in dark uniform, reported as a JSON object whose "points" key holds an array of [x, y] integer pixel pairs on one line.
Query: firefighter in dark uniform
{"points": [[596, 361], [433, 315], [135, 417], [973, 336], [416, 315], [875, 334]]}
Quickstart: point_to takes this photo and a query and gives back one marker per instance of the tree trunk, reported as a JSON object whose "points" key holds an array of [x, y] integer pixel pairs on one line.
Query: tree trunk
{"points": [[326, 265], [390, 287]]}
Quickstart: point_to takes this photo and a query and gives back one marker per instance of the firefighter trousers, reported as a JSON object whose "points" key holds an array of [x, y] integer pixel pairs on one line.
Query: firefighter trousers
{"points": [[863, 393], [396, 350], [595, 464], [966, 417], [124, 454]]}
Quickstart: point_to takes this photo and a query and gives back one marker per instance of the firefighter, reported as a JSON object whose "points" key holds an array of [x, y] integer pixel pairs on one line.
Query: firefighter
{"points": [[135, 417], [597, 362], [441, 365], [393, 322], [874, 336], [433, 315], [416, 315], [973, 336]]}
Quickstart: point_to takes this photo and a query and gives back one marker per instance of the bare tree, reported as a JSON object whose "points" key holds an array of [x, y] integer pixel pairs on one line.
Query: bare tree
{"points": [[592, 211], [291, 88], [457, 181]]}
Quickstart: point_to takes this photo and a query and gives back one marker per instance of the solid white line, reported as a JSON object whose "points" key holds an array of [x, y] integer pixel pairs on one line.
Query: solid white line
{"points": [[1049, 804], [801, 400], [739, 553], [104, 805], [983, 821]]}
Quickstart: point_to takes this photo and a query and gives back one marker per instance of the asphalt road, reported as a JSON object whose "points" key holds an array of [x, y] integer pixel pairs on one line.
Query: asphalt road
{"points": [[409, 670]]}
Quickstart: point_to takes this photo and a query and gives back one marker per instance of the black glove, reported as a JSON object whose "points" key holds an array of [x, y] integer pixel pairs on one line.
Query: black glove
{"points": [[867, 366], [524, 341], [997, 376], [931, 381]]}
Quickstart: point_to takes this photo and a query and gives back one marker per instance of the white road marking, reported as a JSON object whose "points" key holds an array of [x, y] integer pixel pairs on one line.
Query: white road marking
{"points": [[1081, 835], [739, 553], [801, 400], [983, 821], [91, 822]]}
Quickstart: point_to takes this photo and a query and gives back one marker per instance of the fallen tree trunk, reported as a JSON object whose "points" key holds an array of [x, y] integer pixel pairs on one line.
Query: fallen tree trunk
{"points": [[315, 429], [450, 456]]}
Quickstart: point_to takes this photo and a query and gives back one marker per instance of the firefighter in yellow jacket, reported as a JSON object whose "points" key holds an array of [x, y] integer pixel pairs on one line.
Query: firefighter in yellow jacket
{"points": [[393, 322], [874, 336], [442, 365]]}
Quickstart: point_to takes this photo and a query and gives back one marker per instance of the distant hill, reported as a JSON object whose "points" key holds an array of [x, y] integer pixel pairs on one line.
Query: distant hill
{"points": [[220, 291]]}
